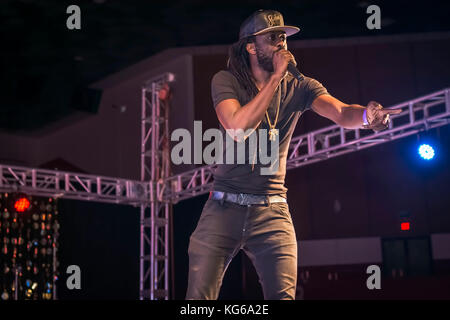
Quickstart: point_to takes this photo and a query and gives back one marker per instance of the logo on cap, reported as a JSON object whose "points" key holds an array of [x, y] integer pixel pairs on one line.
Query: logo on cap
{"points": [[273, 20]]}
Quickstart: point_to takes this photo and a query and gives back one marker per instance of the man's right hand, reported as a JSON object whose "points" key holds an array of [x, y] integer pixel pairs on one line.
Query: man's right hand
{"points": [[281, 59]]}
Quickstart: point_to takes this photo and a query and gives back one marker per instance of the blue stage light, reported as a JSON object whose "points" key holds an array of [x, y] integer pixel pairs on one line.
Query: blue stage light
{"points": [[426, 151]]}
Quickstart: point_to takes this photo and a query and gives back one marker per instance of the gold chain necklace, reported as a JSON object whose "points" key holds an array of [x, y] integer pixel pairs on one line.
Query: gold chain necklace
{"points": [[272, 132]]}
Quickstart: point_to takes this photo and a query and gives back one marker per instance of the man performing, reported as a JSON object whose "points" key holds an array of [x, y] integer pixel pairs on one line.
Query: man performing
{"points": [[246, 209]]}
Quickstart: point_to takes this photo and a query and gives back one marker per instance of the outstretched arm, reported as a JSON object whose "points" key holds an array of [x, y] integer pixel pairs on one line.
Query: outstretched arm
{"points": [[350, 116]]}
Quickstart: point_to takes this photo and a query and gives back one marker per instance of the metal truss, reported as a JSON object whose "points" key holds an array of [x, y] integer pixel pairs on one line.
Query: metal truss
{"points": [[155, 169], [417, 115], [69, 185], [147, 193], [423, 113]]}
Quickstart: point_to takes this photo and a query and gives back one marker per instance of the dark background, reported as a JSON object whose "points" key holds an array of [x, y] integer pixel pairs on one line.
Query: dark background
{"points": [[45, 66], [38, 51]]}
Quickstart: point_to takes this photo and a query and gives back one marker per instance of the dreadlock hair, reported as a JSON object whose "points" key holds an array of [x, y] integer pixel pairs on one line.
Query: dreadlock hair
{"points": [[239, 65]]}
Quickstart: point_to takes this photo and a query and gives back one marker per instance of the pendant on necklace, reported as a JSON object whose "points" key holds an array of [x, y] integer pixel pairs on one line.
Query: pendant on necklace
{"points": [[272, 134]]}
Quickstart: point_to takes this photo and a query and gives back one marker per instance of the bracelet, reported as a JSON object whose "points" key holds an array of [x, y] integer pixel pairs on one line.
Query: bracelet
{"points": [[365, 122]]}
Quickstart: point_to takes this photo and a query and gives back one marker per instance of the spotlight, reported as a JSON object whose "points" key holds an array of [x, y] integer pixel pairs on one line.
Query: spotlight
{"points": [[20, 202], [426, 151]]}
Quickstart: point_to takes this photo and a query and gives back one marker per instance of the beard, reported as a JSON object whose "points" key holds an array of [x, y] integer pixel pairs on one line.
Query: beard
{"points": [[264, 60]]}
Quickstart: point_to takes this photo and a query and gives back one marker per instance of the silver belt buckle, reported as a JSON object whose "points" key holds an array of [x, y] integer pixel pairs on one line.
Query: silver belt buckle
{"points": [[241, 198]]}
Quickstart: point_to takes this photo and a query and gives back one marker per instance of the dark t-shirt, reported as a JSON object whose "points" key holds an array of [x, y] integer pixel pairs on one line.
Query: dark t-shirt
{"points": [[294, 98]]}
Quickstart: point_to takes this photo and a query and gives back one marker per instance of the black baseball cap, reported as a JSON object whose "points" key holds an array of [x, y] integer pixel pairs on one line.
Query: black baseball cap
{"points": [[263, 21]]}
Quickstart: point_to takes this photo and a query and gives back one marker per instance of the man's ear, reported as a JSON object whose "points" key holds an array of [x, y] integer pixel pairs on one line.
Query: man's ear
{"points": [[251, 48]]}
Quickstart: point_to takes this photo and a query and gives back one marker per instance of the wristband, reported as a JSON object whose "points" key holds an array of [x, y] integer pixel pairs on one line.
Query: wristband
{"points": [[365, 122]]}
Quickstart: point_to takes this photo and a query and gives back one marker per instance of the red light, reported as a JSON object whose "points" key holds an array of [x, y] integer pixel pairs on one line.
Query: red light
{"points": [[404, 226], [21, 204]]}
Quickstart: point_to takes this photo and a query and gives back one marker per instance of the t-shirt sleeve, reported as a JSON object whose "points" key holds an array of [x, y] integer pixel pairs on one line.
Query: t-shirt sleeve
{"points": [[222, 87], [308, 90]]}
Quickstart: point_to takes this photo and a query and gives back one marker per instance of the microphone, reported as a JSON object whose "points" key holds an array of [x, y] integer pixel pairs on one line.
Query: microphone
{"points": [[294, 71]]}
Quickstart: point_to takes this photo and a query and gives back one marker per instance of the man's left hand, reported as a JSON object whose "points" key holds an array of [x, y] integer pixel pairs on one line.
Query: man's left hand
{"points": [[378, 117]]}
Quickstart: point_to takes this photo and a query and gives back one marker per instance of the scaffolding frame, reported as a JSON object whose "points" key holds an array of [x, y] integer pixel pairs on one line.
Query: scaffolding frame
{"points": [[157, 190], [155, 169], [69, 185]]}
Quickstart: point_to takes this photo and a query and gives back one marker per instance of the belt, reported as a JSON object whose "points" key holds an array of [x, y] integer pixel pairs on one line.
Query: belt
{"points": [[246, 199]]}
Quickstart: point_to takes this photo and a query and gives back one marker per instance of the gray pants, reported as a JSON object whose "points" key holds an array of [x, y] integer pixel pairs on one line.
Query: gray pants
{"points": [[264, 232]]}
